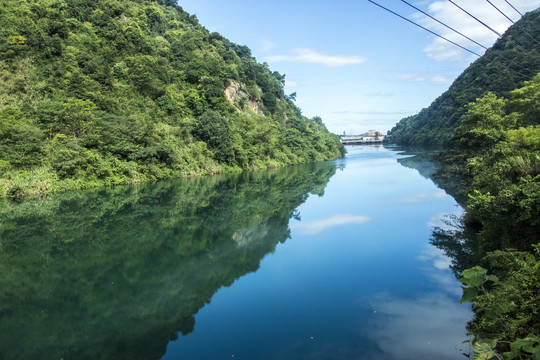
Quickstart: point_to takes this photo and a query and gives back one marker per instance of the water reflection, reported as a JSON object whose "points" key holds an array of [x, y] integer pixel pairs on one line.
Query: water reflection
{"points": [[449, 233], [428, 325], [458, 242], [316, 226], [421, 328], [425, 161], [358, 279], [118, 273]]}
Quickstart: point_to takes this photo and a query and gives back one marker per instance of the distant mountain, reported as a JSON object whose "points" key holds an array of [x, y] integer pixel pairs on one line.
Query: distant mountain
{"points": [[513, 59], [104, 92]]}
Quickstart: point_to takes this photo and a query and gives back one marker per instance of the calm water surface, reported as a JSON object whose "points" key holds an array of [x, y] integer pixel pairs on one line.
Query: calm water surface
{"points": [[323, 261]]}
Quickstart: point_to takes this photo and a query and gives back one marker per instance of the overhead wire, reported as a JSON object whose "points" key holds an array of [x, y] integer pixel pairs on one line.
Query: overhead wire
{"points": [[475, 18], [449, 27], [511, 65], [512, 6], [426, 29], [529, 35], [499, 10]]}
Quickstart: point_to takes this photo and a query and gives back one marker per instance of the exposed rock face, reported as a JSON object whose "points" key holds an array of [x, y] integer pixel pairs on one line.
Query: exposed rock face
{"points": [[249, 235], [239, 98]]}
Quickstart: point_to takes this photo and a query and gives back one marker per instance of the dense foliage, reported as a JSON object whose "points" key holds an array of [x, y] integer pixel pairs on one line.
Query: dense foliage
{"points": [[498, 144], [112, 92], [514, 58], [500, 140], [507, 308]]}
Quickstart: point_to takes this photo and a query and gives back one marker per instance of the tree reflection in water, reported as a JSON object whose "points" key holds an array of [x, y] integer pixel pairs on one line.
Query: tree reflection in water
{"points": [[117, 273], [458, 242]]}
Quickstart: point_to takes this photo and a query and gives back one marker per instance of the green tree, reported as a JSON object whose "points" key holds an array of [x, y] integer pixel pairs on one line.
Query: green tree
{"points": [[78, 118], [214, 130], [485, 123], [21, 141]]}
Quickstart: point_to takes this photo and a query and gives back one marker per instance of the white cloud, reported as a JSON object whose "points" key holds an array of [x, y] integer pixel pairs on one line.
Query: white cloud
{"points": [[446, 12], [441, 50], [314, 57], [442, 80], [418, 77], [316, 226]]}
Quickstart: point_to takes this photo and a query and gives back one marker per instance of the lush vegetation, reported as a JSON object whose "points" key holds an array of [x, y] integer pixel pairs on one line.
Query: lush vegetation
{"points": [[500, 141], [513, 59], [111, 92], [506, 307], [498, 150], [118, 272]]}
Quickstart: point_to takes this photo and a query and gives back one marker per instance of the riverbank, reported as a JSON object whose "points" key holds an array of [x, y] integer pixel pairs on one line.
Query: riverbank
{"points": [[44, 180]]}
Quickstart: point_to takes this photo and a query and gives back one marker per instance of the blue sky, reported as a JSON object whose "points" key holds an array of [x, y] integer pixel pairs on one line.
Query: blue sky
{"points": [[351, 62]]}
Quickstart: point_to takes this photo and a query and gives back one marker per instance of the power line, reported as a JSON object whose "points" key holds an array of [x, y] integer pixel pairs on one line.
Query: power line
{"points": [[513, 8], [532, 37], [529, 35], [420, 26], [475, 18], [503, 14], [454, 30], [512, 64]]}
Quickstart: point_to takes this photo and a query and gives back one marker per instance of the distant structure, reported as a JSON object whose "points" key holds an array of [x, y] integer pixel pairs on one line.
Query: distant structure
{"points": [[370, 137]]}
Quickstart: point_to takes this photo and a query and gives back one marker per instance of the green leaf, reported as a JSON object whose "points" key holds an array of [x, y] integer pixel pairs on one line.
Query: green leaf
{"points": [[469, 294], [493, 279], [529, 344], [473, 277], [485, 350]]}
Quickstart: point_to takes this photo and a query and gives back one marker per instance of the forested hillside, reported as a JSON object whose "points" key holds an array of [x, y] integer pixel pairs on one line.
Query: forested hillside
{"points": [[513, 59], [103, 92], [498, 152]]}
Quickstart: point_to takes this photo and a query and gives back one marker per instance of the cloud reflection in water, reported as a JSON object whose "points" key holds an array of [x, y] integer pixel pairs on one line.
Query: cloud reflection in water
{"points": [[317, 226], [422, 197], [430, 325]]}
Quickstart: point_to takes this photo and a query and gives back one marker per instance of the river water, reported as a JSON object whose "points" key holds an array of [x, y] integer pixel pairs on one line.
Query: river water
{"points": [[321, 261]]}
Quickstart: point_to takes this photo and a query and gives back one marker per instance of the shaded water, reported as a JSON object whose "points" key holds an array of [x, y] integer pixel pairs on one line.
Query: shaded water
{"points": [[323, 261]]}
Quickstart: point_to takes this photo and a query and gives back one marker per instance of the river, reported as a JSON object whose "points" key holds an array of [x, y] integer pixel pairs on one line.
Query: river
{"points": [[321, 261]]}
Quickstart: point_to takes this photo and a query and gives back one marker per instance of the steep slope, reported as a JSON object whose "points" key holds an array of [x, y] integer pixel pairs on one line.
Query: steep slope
{"points": [[114, 92], [513, 59]]}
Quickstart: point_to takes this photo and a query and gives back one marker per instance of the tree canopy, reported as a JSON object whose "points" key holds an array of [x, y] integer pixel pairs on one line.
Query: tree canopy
{"points": [[115, 92]]}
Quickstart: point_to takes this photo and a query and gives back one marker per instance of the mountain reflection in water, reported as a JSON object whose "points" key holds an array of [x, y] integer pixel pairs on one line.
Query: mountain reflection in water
{"points": [[117, 273], [191, 269]]}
